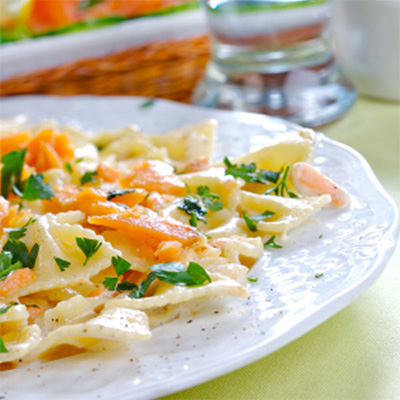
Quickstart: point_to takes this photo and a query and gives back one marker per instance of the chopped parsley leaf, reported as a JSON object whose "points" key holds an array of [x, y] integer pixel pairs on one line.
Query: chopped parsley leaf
{"points": [[319, 275], [120, 265], [88, 246], [193, 220], [3, 348], [261, 217], [62, 264], [250, 224], [210, 200], [20, 253], [116, 193], [141, 290], [88, 177], [175, 274], [281, 187], [192, 205], [13, 164], [125, 285], [249, 172], [35, 189], [148, 103], [197, 206], [3, 310], [252, 279], [18, 233], [271, 243], [110, 283], [32, 188], [6, 264], [320, 236], [68, 167]]}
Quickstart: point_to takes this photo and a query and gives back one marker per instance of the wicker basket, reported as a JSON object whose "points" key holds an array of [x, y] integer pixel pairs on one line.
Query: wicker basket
{"points": [[168, 70]]}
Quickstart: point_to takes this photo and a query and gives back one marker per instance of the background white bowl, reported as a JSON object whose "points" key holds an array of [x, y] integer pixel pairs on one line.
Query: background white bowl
{"points": [[366, 41]]}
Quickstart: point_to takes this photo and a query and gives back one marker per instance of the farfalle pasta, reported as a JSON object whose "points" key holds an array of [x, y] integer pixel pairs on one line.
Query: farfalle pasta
{"points": [[106, 237]]}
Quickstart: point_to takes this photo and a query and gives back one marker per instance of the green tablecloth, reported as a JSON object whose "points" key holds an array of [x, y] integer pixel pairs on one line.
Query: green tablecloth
{"points": [[356, 353]]}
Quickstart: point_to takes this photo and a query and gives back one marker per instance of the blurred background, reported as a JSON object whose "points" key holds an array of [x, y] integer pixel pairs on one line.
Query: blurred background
{"points": [[270, 56]]}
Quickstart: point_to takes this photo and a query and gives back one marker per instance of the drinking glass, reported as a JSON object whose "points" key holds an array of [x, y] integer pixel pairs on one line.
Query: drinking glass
{"points": [[274, 57]]}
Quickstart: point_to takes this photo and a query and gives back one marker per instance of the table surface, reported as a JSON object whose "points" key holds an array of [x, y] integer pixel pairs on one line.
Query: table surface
{"points": [[356, 353]]}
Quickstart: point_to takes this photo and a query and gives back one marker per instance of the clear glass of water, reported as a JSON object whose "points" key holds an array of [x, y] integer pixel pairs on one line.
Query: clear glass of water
{"points": [[274, 57]]}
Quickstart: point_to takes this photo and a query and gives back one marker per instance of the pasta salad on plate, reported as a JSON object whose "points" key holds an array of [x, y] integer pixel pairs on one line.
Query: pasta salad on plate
{"points": [[106, 237]]}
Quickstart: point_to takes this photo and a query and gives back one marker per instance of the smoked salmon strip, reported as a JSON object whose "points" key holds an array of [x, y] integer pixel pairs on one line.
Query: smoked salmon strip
{"points": [[154, 176], [150, 229]]}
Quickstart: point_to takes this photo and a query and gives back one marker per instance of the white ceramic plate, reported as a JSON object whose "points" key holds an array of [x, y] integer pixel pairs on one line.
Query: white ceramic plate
{"points": [[351, 249]]}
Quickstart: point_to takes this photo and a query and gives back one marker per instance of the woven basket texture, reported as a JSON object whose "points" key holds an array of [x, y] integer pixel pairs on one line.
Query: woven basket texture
{"points": [[168, 70]]}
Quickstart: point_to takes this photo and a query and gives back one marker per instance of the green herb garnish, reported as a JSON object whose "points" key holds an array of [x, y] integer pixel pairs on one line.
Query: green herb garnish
{"points": [[210, 200], [3, 348], [126, 286], [20, 253], [116, 193], [252, 279], [88, 177], [68, 167], [250, 224], [110, 283], [271, 243], [120, 265], [141, 290], [249, 172], [175, 274], [88, 246], [62, 264], [18, 233], [197, 206], [281, 187], [35, 189], [6, 264], [261, 217], [6, 308], [194, 206], [148, 103], [13, 164], [319, 275], [193, 220], [31, 189]]}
